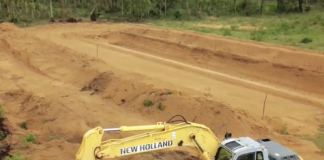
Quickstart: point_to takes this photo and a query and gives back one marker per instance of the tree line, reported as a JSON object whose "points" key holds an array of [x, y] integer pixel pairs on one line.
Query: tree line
{"points": [[31, 10]]}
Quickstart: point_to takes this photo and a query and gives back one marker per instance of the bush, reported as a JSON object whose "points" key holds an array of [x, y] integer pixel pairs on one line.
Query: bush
{"points": [[29, 138], [307, 9], [148, 103], [177, 14], [160, 106], [2, 135], [226, 32], [23, 125], [257, 35], [306, 40], [1, 112]]}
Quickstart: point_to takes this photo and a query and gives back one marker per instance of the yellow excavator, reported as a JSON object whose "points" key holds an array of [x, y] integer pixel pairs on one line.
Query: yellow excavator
{"points": [[169, 134]]}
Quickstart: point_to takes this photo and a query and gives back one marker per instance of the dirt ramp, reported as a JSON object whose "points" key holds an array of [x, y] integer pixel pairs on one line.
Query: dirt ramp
{"points": [[162, 104]]}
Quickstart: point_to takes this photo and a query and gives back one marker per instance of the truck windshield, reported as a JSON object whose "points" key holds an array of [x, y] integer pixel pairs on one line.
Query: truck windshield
{"points": [[223, 154]]}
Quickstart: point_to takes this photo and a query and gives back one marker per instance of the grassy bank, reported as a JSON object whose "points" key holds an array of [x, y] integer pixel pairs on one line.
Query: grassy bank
{"points": [[301, 30], [318, 139]]}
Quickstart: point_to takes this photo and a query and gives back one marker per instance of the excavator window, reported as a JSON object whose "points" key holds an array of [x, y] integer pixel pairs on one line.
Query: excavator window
{"points": [[223, 154], [247, 156]]}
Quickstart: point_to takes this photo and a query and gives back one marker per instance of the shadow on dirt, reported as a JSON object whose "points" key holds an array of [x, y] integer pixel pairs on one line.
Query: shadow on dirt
{"points": [[4, 132]]}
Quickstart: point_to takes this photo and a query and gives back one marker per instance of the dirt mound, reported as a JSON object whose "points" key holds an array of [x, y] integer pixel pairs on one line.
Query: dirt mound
{"points": [[8, 27]]}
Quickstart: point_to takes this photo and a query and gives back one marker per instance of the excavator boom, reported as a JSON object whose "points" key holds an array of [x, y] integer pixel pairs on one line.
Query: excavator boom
{"points": [[168, 134], [162, 135]]}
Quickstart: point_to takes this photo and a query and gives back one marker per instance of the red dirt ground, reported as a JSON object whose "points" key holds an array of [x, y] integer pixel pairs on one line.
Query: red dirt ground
{"points": [[52, 79]]}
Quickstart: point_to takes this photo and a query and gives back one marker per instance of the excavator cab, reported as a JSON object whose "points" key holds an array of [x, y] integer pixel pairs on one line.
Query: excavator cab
{"points": [[223, 154]]}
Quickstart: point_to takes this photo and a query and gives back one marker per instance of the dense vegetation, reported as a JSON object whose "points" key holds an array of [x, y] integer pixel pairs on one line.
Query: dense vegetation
{"points": [[29, 10], [291, 22]]}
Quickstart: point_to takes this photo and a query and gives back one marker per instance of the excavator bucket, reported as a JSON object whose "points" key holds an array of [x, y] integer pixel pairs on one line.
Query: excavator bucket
{"points": [[90, 141]]}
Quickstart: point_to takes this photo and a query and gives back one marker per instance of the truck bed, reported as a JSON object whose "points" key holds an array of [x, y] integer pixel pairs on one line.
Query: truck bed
{"points": [[278, 151]]}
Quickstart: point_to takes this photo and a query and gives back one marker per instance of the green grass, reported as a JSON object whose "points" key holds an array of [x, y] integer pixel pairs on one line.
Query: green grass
{"points": [[148, 103], [23, 125], [16, 156], [300, 30], [51, 137], [160, 106], [318, 139], [1, 112], [284, 129], [29, 138], [2, 135]]}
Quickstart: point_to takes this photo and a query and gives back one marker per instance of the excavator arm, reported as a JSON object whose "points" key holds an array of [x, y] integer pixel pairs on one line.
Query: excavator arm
{"points": [[162, 135]]}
